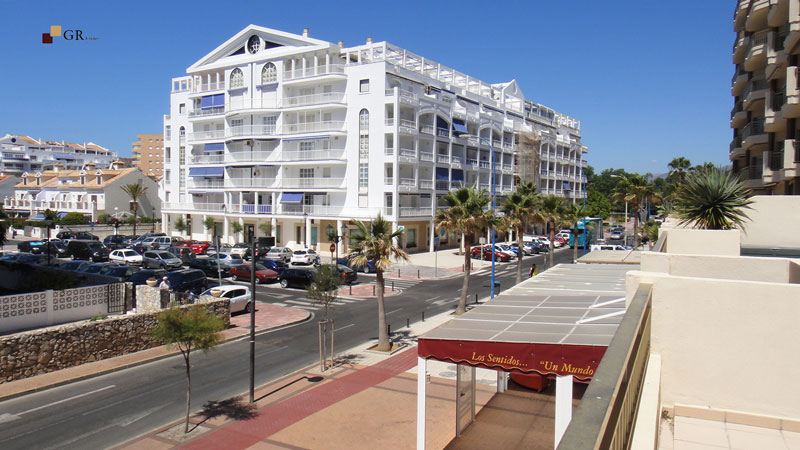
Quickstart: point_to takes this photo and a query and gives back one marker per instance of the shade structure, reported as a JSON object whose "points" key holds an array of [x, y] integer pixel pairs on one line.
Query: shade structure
{"points": [[292, 197], [206, 171], [557, 323]]}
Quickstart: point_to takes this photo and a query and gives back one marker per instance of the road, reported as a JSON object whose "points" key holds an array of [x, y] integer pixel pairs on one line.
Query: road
{"points": [[110, 409]]}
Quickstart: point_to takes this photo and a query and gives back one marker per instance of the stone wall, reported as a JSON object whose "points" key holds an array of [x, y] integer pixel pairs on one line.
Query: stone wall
{"points": [[30, 353]]}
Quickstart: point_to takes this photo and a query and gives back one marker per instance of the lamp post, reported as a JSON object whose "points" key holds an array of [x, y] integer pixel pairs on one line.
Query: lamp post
{"points": [[305, 239], [49, 223], [153, 218], [461, 131], [116, 218]]}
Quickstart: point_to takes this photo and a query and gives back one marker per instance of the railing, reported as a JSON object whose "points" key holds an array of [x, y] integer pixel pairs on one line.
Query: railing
{"points": [[246, 155], [442, 159], [207, 111], [778, 100], [388, 150], [456, 161], [736, 143], [206, 135], [320, 182], [215, 86], [754, 128], [253, 130], [756, 84], [252, 103], [425, 184], [389, 121], [218, 207], [776, 160], [248, 182], [251, 209], [388, 181], [425, 156], [753, 172], [309, 155], [737, 73], [408, 97], [427, 129], [408, 126], [206, 183], [442, 185], [310, 127], [215, 158], [442, 132], [605, 417], [313, 99], [737, 108], [756, 39], [472, 163], [317, 210], [408, 183], [313, 71], [387, 210], [485, 164], [409, 153], [406, 211]]}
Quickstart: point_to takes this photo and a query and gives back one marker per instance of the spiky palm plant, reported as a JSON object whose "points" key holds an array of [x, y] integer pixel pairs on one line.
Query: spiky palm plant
{"points": [[466, 215], [376, 241], [713, 200]]}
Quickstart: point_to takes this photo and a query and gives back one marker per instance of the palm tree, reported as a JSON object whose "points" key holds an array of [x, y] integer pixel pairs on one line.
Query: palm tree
{"points": [[518, 208], [679, 167], [134, 191], [236, 228], [572, 213], [713, 199], [636, 189], [465, 216], [551, 209], [266, 228], [376, 241], [180, 225], [211, 225]]}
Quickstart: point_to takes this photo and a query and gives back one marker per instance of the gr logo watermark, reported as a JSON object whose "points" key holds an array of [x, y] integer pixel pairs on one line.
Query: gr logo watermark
{"points": [[68, 35]]}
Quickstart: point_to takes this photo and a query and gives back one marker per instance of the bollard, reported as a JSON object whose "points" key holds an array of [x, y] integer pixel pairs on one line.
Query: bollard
{"points": [[462, 267], [476, 298], [373, 289], [398, 272], [417, 273], [389, 329], [392, 286], [351, 289], [408, 322], [423, 316]]}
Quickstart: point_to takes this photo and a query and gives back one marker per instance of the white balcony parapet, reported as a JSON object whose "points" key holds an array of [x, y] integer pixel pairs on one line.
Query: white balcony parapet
{"points": [[309, 155], [200, 112], [316, 210], [388, 181], [426, 184], [313, 99], [408, 183], [252, 130], [215, 86], [218, 207], [208, 158], [205, 183], [442, 159], [248, 182], [311, 182], [207, 135], [313, 71], [311, 127], [406, 211], [427, 129], [248, 156]]}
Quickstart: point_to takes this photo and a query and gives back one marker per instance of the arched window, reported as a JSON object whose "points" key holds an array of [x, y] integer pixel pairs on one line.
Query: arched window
{"points": [[269, 74], [237, 78], [182, 132], [363, 149]]}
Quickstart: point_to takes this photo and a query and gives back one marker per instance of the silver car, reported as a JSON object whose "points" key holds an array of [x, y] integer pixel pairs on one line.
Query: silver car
{"points": [[160, 259], [280, 254]]}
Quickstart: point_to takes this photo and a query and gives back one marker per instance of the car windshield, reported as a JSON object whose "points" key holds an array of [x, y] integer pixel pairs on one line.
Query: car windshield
{"points": [[95, 247], [167, 255], [300, 252], [260, 267]]}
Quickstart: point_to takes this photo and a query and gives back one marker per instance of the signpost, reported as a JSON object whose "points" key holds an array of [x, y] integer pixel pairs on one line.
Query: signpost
{"points": [[436, 257], [333, 249]]}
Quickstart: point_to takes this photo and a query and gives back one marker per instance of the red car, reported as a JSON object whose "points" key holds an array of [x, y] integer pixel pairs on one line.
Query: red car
{"points": [[200, 247], [487, 254], [561, 240], [263, 275]]}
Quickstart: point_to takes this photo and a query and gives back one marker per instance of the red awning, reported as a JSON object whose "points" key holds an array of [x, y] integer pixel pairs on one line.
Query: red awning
{"points": [[580, 361]]}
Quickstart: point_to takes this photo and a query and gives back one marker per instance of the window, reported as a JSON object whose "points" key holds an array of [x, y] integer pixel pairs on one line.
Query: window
{"points": [[306, 146], [237, 78], [306, 173], [270, 124], [363, 174], [182, 108], [253, 44], [363, 149], [363, 86], [182, 133], [269, 74], [411, 237]]}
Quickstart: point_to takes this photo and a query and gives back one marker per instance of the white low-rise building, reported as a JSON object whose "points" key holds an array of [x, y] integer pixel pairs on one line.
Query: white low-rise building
{"points": [[24, 154], [306, 135]]}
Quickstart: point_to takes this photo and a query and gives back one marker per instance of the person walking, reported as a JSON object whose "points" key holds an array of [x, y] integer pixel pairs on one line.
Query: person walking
{"points": [[534, 271], [164, 284]]}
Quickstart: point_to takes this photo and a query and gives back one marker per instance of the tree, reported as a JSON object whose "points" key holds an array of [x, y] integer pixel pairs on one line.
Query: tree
{"points": [[713, 199], [211, 225], [180, 225], [518, 208], [237, 228], [73, 218], [551, 209], [266, 228], [324, 291], [636, 189], [187, 329], [572, 213], [134, 191], [679, 167], [465, 215], [376, 241]]}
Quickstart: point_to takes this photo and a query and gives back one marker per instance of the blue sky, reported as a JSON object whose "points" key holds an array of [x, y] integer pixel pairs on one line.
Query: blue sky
{"points": [[649, 80]]}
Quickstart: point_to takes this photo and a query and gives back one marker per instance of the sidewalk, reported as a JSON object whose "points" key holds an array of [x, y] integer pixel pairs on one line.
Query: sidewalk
{"points": [[267, 317], [369, 401]]}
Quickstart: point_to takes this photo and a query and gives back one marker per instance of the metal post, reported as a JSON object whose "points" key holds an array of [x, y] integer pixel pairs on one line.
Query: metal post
{"points": [[219, 268], [252, 324], [494, 206]]}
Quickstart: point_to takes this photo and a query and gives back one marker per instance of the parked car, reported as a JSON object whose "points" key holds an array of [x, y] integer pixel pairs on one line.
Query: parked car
{"points": [[306, 257], [505, 248], [486, 251], [123, 273], [160, 259], [30, 258], [114, 241], [200, 247], [223, 248], [260, 252], [349, 276], [279, 253], [594, 247], [534, 248], [185, 254], [41, 247], [96, 267], [263, 275], [141, 276], [229, 259], [559, 241], [526, 251], [616, 235], [239, 296], [83, 235], [209, 267], [272, 264], [11, 257], [301, 278], [73, 266], [156, 242], [125, 256], [239, 249], [187, 279], [368, 268], [84, 249]]}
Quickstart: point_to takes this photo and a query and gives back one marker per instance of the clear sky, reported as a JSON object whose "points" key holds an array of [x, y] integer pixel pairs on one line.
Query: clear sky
{"points": [[649, 79]]}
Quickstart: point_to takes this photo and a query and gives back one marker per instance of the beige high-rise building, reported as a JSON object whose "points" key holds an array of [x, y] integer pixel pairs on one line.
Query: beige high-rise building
{"points": [[148, 154], [766, 132]]}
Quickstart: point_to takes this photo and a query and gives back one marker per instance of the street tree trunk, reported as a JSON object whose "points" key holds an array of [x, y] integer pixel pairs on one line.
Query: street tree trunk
{"points": [[188, 389], [552, 243], [637, 239], [521, 254], [462, 302], [384, 345], [134, 218]]}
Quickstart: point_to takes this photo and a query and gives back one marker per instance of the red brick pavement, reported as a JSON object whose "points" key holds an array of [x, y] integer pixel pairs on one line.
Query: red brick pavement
{"points": [[269, 316], [274, 418]]}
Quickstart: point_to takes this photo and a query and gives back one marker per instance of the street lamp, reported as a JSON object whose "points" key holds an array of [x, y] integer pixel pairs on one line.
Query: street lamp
{"points": [[116, 218], [461, 131], [305, 239], [153, 218]]}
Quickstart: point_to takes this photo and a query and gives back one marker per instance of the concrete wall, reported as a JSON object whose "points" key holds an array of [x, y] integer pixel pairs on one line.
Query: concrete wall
{"points": [[775, 270], [703, 242], [771, 222], [726, 344]]}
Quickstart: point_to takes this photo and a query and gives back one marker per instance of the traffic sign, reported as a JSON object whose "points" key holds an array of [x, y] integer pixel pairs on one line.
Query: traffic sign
{"points": [[482, 240], [401, 227], [333, 248]]}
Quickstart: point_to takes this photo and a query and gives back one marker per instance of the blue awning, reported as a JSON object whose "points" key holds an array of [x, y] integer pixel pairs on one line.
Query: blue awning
{"points": [[61, 215], [206, 171], [459, 128], [565, 186], [38, 217], [458, 175], [442, 174], [197, 171], [212, 101], [310, 138], [292, 197], [214, 146]]}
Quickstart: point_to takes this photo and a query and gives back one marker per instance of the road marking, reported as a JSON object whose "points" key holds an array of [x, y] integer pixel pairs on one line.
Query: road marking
{"points": [[84, 435], [432, 298], [604, 316], [127, 399], [67, 399], [5, 417], [390, 312], [297, 304], [338, 329], [278, 303], [272, 350]]}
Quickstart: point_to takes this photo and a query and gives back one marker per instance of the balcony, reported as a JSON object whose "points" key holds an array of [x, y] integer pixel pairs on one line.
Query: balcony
{"points": [[738, 115], [311, 210], [408, 127], [252, 131], [206, 135], [791, 107], [389, 121], [407, 184], [208, 87], [206, 183], [426, 157], [388, 181], [442, 185], [191, 207], [313, 127], [776, 160], [388, 150], [316, 71], [443, 159], [456, 161], [472, 164], [740, 45], [250, 182], [755, 90], [757, 15], [312, 155], [314, 99], [736, 147], [408, 155], [773, 118], [753, 134], [427, 129], [248, 156], [252, 103], [313, 183], [756, 57], [408, 211], [426, 184], [442, 132], [202, 112], [208, 159]]}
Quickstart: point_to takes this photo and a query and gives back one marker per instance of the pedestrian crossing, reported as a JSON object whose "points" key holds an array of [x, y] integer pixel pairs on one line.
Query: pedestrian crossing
{"points": [[306, 304]]}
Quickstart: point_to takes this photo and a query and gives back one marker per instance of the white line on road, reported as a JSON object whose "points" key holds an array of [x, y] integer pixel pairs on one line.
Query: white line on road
{"points": [[432, 298], [390, 312], [67, 399], [346, 326]]}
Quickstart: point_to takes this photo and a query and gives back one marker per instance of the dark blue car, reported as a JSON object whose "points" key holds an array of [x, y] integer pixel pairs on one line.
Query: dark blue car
{"points": [[368, 268], [271, 264]]}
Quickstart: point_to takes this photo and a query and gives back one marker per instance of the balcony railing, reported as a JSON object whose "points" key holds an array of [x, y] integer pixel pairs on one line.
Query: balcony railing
{"points": [[756, 84], [207, 135], [427, 129], [408, 211], [409, 153], [737, 108], [311, 127], [606, 415], [442, 185], [253, 130], [737, 73], [313, 72], [207, 111], [778, 100], [310, 155], [250, 209], [425, 184], [205, 183], [313, 99], [408, 97], [754, 128], [754, 172], [388, 181], [442, 159], [208, 159], [757, 39], [443, 132], [776, 160], [215, 86], [426, 156], [250, 182], [312, 182], [248, 156], [218, 207], [408, 183], [389, 121], [736, 143]]}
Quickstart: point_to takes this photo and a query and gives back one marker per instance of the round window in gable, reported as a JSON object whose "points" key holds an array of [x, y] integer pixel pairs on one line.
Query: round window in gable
{"points": [[253, 44]]}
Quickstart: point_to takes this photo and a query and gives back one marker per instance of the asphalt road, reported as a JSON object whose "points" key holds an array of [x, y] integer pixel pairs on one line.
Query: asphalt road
{"points": [[110, 409]]}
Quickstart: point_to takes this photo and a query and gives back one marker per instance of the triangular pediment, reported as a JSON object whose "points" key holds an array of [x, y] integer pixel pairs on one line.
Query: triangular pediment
{"points": [[270, 42], [510, 88]]}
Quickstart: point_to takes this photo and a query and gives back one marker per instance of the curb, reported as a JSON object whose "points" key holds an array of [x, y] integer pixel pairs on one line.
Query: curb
{"points": [[166, 354]]}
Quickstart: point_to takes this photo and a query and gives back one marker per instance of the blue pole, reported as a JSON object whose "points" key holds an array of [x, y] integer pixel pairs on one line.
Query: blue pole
{"points": [[584, 223], [491, 149]]}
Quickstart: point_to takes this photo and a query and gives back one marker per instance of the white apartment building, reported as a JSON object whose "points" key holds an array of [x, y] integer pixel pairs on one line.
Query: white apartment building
{"points": [[25, 154], [306, 135]]}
